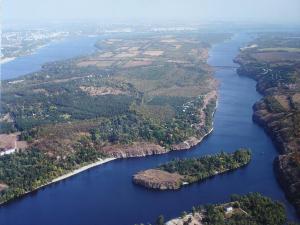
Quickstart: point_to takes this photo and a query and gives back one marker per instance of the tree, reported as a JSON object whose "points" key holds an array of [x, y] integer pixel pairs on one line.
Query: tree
{"points": [[160, 220]]}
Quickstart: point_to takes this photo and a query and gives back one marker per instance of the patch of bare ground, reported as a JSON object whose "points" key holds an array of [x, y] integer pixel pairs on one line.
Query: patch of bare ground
{"points": [[296, 98], [153, 52], [135, 63], [98, 63], [106, 55], [192, 219], [276, 56], [283, 101], [40, 91], [8, 141], [207, 98], [3, 187], [6, 118], [127, 54], [171, 40], [188, 91], [158, 179], [136, 149], [98, 91]]}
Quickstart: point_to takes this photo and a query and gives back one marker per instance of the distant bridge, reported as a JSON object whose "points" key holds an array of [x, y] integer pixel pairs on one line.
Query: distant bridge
{"points": [[226, 67]]}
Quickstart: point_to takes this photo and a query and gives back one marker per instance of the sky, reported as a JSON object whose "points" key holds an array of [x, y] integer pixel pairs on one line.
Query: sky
{"points": [[263, 11]]}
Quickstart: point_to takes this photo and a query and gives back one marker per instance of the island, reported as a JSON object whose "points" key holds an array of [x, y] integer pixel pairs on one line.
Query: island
{"points": [[273, 60], [136, 95], [252, 209], [180, 172]]}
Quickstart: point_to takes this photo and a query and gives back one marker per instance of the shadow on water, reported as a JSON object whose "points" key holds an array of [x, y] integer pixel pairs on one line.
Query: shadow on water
{"points": [[106, 195]]}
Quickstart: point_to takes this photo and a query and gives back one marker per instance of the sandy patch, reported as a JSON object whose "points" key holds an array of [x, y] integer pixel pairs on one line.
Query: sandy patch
{"points": [[98, 63], [106, 55], [153, 53], [158, 179], [194, 219], [8, 141], [98, 91], [127, 54]]}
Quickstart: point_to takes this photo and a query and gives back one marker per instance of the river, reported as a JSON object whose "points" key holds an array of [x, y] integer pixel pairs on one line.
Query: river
{"points": [[106, 195], [56, 50]]}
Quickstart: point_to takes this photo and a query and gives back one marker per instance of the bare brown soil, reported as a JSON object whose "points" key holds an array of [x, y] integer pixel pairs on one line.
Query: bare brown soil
{"points": [[158, 179], [98, 91]]}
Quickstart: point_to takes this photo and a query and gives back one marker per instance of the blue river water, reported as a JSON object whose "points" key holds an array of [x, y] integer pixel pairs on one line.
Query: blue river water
{"points": [[106, 195], [56, 50]]}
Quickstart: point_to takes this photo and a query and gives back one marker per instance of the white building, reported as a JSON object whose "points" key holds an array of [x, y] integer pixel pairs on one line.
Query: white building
{"points": [[7, 151], [229, 209]]}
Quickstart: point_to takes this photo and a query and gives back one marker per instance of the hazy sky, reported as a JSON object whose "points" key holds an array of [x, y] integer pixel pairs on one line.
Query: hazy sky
{"points": [[276, 11]]}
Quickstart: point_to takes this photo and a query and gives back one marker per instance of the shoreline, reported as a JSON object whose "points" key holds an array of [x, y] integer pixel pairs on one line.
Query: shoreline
{"points": [[79, 170], [6, 60], [76, 171], [65, 176]]}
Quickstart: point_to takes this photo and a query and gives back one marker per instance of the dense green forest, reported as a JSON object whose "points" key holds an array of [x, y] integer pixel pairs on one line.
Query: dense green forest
{"points": [[256, 210], [127, 128], [197, 169], [27, 170], [249, 209]]}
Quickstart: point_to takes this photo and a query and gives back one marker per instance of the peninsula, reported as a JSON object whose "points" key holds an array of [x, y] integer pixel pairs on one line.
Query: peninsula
{"points": [[135, 96], [180, 172], [248, 209]]}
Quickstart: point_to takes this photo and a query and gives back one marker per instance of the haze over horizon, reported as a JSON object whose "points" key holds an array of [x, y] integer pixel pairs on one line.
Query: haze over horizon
{"points": [[136, 11]]}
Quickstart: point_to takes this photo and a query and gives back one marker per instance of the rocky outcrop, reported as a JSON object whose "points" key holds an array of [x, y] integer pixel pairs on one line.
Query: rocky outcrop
{"points": [[186, 144], [191, 218], [288, 173], [158, 179], [137, 149]]}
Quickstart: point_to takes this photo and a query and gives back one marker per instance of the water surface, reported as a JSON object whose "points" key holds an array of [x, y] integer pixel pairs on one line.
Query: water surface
{"points": [[55, 50]]}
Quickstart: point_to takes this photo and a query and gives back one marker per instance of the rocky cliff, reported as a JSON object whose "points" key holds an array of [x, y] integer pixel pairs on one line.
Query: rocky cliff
{"points": [[278, 112]]}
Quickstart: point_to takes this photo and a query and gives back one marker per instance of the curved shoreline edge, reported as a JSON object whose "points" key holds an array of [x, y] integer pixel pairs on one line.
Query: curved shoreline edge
{"points": [[65, 176], [103, 161]]}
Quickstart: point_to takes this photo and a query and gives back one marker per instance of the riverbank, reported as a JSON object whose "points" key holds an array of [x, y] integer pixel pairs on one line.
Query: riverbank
{"points": [[74, 172], [89, 166], [68, 175], [6, 60], [278, 111]]}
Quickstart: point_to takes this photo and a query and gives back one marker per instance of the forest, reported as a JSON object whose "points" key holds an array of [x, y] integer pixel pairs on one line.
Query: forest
{"points": [[197, 169], [25, 171], [251, 209]]}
